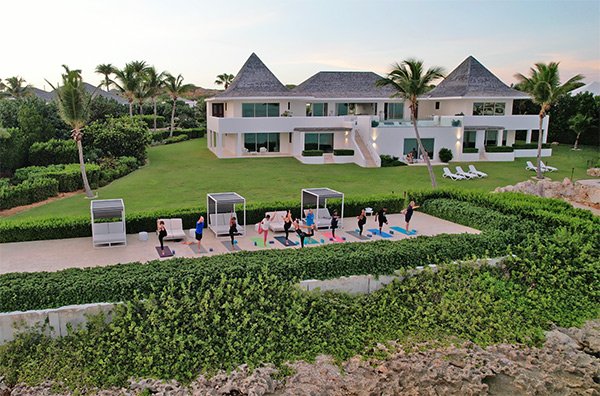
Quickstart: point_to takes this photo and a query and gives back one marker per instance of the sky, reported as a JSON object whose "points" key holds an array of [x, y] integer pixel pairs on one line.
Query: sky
{"points": [[295, 39]]}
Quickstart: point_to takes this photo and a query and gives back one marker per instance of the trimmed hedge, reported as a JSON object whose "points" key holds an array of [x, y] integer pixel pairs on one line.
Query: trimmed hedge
{"points": [[53, 151], [498, 149], [149, 120], [342, 152], [445, 154], [114, 168], [67, 175], [470, 150], [192, 133], [312, 153], [389, 161], [30, 191], [176, 139], [529, 146]]}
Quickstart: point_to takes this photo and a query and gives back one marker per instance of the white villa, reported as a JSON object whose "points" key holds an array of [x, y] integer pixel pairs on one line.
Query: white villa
{"points": [[469, 111]]}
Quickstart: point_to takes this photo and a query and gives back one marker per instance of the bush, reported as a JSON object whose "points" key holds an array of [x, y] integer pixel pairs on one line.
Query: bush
{"points": [[343, 152], [389, 161], [118, 137], [470, 150], [176, 139], [312, 153], [148, 119], [67, 175], [13, 149], [114, 168], [30, 191], [498, 149], [374, 123], [53, 151], [455, 123], [529, 146], [445, 155], [159, 136]]}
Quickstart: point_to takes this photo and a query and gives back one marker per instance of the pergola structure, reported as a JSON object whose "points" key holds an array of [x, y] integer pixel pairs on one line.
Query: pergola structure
{"points": [[318, 197], [111, 229], [220, 207]]}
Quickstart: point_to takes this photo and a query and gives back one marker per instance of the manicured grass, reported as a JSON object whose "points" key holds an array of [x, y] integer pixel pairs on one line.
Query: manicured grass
{"points": [[180, 175]]}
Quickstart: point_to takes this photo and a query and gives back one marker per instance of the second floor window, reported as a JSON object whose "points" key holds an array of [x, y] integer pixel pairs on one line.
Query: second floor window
{"points": [[489, 108], [260, 109]]}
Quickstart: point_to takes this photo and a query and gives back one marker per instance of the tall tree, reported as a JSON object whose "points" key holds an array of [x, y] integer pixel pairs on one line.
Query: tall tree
{"points": [[128, 83], [153, 83], [544, 87], [74, 108], [140, 68], [106, 69], [224, 79], [16, 87], [175, 88], [410, 81], [579, 123]]}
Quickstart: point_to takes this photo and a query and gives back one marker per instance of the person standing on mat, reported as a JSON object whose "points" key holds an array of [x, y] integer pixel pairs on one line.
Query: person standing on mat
{"points": [[362, 220], [199, 230], [334, 223], [310, 218], [162, 233], [287, 224], [381, 219], [301, 234], [408, 212], [232, 229], [263, 227]]}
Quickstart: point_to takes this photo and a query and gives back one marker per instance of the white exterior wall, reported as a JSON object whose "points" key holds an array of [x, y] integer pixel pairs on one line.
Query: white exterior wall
{"points": [[390, 140]]}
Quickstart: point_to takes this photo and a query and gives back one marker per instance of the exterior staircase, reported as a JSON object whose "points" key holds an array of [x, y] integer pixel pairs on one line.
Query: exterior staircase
{"points": [[365, 151], [482, 156]]}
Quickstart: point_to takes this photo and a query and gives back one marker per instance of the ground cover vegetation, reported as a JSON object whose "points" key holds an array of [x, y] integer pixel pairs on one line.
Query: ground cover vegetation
{"points": [[189, 316]]}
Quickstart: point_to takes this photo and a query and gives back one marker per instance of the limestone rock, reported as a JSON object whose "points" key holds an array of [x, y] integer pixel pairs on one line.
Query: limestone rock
{"points": [[594, 172]]}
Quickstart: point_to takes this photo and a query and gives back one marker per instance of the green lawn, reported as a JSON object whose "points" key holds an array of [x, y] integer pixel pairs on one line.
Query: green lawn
{"points": [[181, 174]]}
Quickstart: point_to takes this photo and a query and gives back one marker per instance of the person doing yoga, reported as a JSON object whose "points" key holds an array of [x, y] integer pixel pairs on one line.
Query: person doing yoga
{"points": [[233, 229], [287, 224], [301, 234], [199, 231], [380, 217], [362, 220], [263, 227], [408, 212], [334, 222], [162, 233]]}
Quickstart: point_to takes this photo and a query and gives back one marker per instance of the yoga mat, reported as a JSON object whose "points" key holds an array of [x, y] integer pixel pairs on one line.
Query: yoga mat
{"points": [[259, 241], [168, 252], [230, 247], [402, 230], [194, 248], [329, 236], [375, 231], [281, 240], [358, 236], [310, 241]]}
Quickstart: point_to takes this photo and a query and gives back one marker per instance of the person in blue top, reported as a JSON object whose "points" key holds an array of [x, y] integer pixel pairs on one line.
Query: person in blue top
{"points": [[310, 218], [199, 230]]}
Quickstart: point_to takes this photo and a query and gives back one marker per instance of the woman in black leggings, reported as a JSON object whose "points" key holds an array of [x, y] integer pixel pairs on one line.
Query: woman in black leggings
{"points": [[362, 220], [287, 224], [232, 229], [302, 234], [162, 233]]}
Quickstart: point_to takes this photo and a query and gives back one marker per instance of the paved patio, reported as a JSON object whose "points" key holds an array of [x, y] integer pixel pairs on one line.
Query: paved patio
{"points": [[59, 254]]}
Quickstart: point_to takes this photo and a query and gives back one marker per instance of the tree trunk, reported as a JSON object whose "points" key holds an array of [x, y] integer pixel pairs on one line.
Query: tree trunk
{"points": [[107, 83], [172, 118], [86, 184], [576, 142], [539, 149], [154, 104], [141, 107], [131, 109], [423, 152]]}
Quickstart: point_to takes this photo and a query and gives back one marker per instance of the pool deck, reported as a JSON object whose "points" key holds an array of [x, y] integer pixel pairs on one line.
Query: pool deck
{"points": [[58, 254]]}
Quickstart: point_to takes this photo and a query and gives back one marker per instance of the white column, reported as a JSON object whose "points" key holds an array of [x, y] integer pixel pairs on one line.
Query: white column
{"points": [[219, 145], [480, 140], [238, 148], [499, 136], [528, 138], [545, 135]]}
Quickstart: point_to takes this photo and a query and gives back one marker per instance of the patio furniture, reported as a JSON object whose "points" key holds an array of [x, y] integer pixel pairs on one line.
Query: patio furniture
{"points": [[532, 167], [220, 208], [143, 236], [276, 224], [317, 198], [548, 168], [468, 175], [451, 175], [174, 229], [474, 171], [111, 230]]}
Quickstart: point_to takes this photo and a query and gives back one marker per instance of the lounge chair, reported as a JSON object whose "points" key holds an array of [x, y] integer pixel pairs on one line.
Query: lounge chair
{"points": [[451, 175], [548, 168], [322, 217], [532, 167], [476, 172], [276, 224], [174, 229], [219, 222], [468, 175]]}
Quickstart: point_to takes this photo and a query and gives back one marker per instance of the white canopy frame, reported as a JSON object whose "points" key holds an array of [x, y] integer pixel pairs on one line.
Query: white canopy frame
{"points": [[319, 197], [220, 207], [108, 232]]}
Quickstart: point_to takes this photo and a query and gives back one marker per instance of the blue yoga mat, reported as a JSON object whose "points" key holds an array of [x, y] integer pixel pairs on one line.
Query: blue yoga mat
{"points": [[281, 240], [375, 231], [402, 230]]}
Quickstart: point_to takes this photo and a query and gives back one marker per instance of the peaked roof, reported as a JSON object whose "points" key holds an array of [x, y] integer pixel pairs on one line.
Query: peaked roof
{"points": [[472, 80], [343, 84], [254, 80], [593, 87], [89, 88]]}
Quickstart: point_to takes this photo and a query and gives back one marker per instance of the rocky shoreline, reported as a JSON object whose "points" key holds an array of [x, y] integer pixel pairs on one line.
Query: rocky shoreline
{"points": [[567, 364]]}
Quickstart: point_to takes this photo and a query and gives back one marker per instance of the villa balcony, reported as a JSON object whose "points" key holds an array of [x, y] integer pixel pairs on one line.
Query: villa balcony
{"points": [[275, 124]]}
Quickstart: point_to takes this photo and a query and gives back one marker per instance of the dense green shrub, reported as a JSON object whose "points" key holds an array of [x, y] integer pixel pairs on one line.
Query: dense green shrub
{"points": [[53, 151], [343, 152], [389, 161], [118, 137], [148, 119], [114, 168], [499, 149], [312, 153], [13, 149], [102, 108], [445, 154], [176, 139], [27, 192], [159, 136], [529, 146], [67, 175], [467, 150], [374, 123]]}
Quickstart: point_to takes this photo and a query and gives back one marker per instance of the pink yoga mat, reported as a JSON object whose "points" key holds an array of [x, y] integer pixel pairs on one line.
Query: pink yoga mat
{"points": [[329, 236]]}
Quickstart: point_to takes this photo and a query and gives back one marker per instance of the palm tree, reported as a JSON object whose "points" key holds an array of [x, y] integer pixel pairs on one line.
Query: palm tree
{"points": [[15, 87], [128, 84], [105, 69], [153, 83], [579, 123], [411, 81], [544, 87], [224, 79], [140, 68], [175, 88], [74, 109]]}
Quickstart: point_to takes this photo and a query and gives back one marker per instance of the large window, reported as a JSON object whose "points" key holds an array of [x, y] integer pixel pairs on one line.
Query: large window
{"points": [[342, 109], [319, 141], [253, 142], [489, 108], [260, 109], [491, 137], [394, 111], [410, 145], [316, 109], [469, 139]]}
